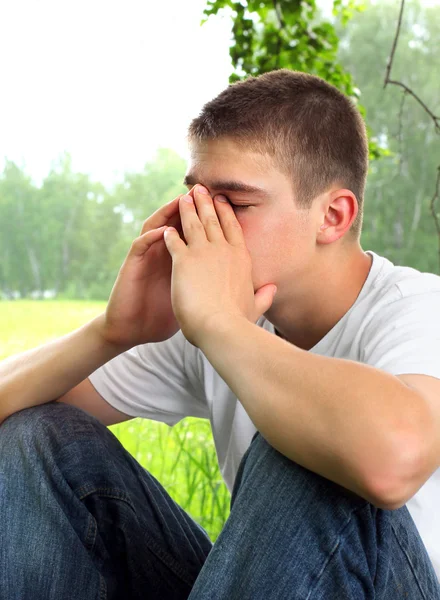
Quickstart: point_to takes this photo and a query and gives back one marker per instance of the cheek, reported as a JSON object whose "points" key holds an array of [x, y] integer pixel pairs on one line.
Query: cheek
{"points": [[275, 242], [262, 238]]}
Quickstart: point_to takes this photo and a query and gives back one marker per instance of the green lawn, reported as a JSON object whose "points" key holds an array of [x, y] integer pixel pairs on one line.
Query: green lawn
{"points": [[182, 457]]}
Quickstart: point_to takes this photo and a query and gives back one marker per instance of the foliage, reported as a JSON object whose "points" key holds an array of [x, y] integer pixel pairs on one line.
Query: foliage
{"points": [[70, 235], [397, 219], [184, 460], [291, 34], [140, 194]]}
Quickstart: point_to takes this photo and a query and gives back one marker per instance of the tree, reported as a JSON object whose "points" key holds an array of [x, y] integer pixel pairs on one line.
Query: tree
{"points": [[407, 90], [19, 229], [71, 234], [275, 34], [398, 219], [161, 180], [272, 34]]}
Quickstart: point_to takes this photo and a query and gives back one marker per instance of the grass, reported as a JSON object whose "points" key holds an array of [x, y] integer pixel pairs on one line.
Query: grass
{"points": [[181, 457]]}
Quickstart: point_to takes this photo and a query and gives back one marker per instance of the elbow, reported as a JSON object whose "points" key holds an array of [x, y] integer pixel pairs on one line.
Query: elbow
{"points": [[387, 500], [392, 489]]}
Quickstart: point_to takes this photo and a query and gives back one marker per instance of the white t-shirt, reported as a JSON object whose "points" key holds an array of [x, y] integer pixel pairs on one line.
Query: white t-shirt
{"points": [[394, 325]]}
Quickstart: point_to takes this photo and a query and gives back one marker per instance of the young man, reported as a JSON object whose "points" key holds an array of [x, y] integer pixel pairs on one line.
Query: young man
{"points": [[324, 398]]}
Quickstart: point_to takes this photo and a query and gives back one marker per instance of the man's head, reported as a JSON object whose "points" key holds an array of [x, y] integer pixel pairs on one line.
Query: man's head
{"points": [[313, 133], [290, 153]]}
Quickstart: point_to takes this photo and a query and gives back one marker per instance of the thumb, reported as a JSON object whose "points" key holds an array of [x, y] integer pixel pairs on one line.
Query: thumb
{"points": [[264, 298]]}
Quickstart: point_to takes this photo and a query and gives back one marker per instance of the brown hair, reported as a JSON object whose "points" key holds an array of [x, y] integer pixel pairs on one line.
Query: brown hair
{"points": [[314, 132]]}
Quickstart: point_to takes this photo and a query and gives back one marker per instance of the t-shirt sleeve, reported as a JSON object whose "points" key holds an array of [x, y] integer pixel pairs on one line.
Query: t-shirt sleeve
{"points": [[404, 336], [151, 381]]}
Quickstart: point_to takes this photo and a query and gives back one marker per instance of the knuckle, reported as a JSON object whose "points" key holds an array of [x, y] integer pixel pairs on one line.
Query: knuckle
{"points": [[136, 242], [212, 221], [196, 225], [235, 229]]}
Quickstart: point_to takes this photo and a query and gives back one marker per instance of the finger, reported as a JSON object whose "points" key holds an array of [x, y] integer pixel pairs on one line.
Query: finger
{"points": [[230, 225], [175, 220], [162, 215], [141, 244], [173, 242], [208, 215], [192, 226]]}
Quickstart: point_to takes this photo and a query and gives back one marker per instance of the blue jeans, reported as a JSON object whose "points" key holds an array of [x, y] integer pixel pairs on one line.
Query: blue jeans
{"points": [[81, 519]]}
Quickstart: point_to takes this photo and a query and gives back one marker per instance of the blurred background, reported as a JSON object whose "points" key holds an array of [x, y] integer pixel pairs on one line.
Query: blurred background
{"points": [[96, 99]]}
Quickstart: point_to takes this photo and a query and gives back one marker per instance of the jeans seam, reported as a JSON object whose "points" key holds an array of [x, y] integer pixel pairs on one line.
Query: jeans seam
{"points": [[409, 561], [85, 491], [102, 588], [170, 563], [91, 532], [332, 552]]}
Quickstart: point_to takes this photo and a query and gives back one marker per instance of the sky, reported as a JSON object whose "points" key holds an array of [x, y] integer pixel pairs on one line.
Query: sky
{"points": [[107, 81]]}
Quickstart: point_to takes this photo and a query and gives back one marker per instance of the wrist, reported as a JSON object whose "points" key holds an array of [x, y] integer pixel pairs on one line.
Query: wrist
{"points": [[100, 328], [220, 325]]}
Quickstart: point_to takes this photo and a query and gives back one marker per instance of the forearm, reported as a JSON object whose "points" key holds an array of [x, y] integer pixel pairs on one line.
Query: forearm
{"points": [[341, 419], [44, 373]]}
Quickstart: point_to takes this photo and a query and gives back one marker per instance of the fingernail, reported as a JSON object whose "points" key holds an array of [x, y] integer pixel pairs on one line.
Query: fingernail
{"points": [[187, 198], [221, 198], [202, 190]]}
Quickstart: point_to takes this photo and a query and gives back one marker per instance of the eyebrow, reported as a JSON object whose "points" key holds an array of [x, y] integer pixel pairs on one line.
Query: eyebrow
{"points": [[229, 186]]}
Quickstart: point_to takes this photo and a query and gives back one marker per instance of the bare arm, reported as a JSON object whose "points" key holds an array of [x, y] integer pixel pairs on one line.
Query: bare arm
{"points": [[349, 422], [49, 371], [139, 311], [87, 398]]}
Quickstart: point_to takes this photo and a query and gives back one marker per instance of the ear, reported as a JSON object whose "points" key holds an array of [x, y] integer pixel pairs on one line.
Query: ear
{"points": [[339, 210]]}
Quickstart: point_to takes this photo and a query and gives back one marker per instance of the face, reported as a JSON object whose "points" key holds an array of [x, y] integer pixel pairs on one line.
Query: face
{"points": [[280, 237]]}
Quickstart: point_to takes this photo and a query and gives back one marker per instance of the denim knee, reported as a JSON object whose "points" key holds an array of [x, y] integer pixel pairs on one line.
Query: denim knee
{"points": [[38, 425]]}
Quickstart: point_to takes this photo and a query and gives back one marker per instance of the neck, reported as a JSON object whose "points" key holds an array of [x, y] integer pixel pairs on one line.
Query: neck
{"points": [[303, 316]]}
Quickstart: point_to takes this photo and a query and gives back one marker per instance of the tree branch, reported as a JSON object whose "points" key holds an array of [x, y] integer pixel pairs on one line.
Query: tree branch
{"points": [[411, 93], [393, 49], [279, 14], [435, 119], [434, 213], [399, 83]]}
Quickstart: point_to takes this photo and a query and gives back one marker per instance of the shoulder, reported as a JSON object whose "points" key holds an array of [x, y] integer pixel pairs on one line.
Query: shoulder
{"points": [[401, 330], [395, 286]]}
